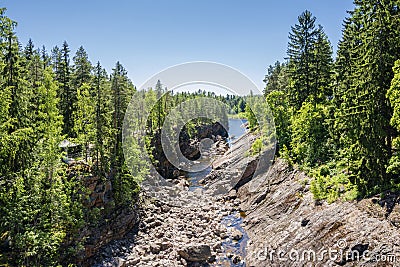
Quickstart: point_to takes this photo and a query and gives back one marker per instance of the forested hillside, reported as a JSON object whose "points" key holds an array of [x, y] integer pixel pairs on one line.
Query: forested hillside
{"points": [[338, 119], [47, 97]]}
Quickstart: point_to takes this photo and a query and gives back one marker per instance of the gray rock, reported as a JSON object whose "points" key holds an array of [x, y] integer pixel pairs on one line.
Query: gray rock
{"points": [[154, 248], [236, 259], [197, 253], [237, 235]]}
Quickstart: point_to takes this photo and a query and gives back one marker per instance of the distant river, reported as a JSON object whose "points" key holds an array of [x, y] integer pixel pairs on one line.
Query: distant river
{"points": [[236, 129]]}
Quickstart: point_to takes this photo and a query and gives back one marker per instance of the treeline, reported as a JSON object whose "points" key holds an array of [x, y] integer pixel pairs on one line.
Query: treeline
{"points": [[334, 118], [46, 97], [166, 101]]}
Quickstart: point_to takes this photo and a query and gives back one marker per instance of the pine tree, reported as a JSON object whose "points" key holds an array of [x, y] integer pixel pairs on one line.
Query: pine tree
{"points": [[276, 78], [159, 105], [67, 94], [44, 57], [103, 119], [322, 67], [124, 183], [84, 119], [300, 46], [28, 52]]}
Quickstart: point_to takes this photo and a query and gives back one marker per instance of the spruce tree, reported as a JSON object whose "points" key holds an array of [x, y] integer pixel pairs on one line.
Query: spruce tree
{"points": [[82, 69], [103, 120], [310, 62]]}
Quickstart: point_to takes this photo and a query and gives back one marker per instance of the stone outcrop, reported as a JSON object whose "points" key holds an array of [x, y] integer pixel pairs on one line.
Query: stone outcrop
{"points": [[196, 253], [112, 222], [190, 147], [284, 221], [235, 168]]}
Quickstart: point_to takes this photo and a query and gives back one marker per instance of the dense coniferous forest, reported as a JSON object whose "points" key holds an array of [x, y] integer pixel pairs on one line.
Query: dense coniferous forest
{"points": [[51, 97], [336, 118]]}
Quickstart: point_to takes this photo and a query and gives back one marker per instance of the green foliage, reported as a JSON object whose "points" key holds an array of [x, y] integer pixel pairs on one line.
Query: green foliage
{"points": [[394, 97], [348, 124], [257, 146], [103, 121], [67, 92], [285, 153], [276, 78], [84, 119], [251, 118], [309, 135], [41, 204], [366, 55], [310, 62], [278, 102], [329, 184]]}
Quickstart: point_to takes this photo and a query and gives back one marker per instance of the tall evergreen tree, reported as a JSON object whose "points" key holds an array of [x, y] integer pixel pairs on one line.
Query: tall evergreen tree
{"points": [[82, 69], [84, 119], [394, 97], [276, 78], [103, 119], [124, 183], [28, 52], [310, 60], [122, 89], [67, 93]]}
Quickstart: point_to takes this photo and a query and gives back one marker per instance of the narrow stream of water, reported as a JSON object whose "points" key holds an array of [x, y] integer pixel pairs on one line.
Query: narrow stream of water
{"points": [[232, 221]]}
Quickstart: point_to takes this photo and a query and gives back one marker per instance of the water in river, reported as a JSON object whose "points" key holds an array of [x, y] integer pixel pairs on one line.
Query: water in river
{"points": [[236, 129], [231, 221]]}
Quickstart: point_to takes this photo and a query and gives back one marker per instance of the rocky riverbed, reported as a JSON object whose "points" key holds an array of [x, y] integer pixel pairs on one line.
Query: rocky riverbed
{"points": [[283, 225], [196, 228], [170, 235]]}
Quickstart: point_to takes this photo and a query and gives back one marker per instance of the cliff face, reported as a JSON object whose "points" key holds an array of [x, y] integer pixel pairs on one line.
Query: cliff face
{"points": [[288, 228], [189, 147], [111, 222]]}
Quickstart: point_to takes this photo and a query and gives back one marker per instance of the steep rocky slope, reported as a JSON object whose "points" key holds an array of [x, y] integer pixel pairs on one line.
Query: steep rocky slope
{"points": [[287, 227], [283, 216]]}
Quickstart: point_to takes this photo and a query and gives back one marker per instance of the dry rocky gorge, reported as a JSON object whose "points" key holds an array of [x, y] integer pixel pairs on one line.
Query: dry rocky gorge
{"points": [[281, 215]]}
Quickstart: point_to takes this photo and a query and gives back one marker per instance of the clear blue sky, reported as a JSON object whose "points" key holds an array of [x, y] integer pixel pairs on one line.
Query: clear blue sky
{"points": [[149, 35]]}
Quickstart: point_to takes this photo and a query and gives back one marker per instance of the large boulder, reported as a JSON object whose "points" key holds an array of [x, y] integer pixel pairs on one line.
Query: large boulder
{"points": [[196, 253]]}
